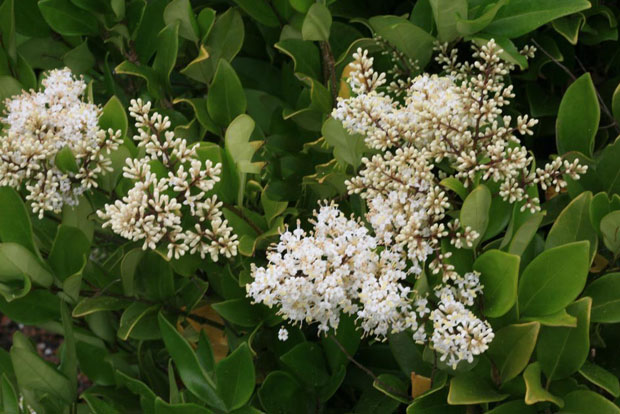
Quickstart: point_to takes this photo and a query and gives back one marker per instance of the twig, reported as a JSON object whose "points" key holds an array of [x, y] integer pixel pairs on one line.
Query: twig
{"points": [[368, 371], [329, 70]]}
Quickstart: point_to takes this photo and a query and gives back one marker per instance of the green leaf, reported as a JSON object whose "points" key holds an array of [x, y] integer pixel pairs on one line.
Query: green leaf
{"points": [[67, 19], [226, 99], [601, 378], [392, 386], [97, 405], [605, 294], [65, 160], [519, 17], [562, 351], [499, 274], [569, 26], [79, 59], [307, 362], [261, 11], [615, 103], [455, 185], [513, 407], [14, 285], [162, 407], [113, 116], [16, 259], [281, 393], [15, 225], [132, 316], [88, 306], [224, 40], [468, 27], [584, 401], [34, 374], [181, 11], [405, 36], [554, 279], [194, 378], [235, 377], [534, 391], [305, 56], [610, 229], [446, 14], [347, 148], [524, 234], [469, 388], [348, 336], [7, 28], [166, 57], [68, 356], [317, 23], [238, 311], [69, 252], [9, 396], [37, 307], [241, 149], [475, 211], [512, 347], [561, 318], [129, 264], [573, 224], [578, 117]]}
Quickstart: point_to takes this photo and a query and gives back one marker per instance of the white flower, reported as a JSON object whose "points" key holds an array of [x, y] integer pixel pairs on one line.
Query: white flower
{"points": [[153, 209], [38, 126], [282, 334]]}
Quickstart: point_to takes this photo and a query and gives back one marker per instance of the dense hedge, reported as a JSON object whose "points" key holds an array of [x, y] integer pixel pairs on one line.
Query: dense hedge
{"points": [[252, 85]]}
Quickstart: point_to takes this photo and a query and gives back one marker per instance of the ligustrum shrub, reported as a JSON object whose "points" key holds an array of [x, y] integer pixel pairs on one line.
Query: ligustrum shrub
{"points": [[298, 206]]}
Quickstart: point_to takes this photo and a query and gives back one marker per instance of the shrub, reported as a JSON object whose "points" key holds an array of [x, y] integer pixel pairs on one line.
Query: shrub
{"points": [[334, 206]]}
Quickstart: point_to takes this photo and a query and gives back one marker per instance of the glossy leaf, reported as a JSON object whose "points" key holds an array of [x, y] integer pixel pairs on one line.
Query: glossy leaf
{"points": [[519, 17], [562, 351], [605, 294], [226, 99], [475, 211], [67, 19], [499, 273], [534, 391], [601, 378], [235, 377], [15, 225], [184, 357], [446, 14], [553, 279], [317, 23], [578, 117], [584, 401], [512, 347], [573, 224]]}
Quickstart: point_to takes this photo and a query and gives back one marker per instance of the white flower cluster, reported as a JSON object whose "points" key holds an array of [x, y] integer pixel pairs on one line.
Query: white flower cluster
{"points": [[39, 125], [158, 208], [335, 268], [444, 126], [457, 119]]}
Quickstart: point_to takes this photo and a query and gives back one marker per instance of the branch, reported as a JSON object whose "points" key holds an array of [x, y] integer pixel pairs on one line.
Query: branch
{"points": [[329, 69], [367, 370]]}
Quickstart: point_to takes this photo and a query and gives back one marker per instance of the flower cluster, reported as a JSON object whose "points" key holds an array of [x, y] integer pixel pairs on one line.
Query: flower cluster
{"points": [[443, 126], [39, 126], [335, 268], [170, 203]]}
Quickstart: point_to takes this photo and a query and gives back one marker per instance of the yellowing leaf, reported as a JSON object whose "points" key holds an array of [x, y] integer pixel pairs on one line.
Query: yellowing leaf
{"points": [[419, 385]]}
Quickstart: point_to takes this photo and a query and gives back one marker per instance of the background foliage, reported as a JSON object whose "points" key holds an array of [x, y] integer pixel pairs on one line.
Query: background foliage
{"points": [[254, 82]]}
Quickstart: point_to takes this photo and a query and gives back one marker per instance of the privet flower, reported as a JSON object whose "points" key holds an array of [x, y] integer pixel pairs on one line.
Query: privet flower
{"points": [[444, 126], [37, 126], [171, 209]]}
